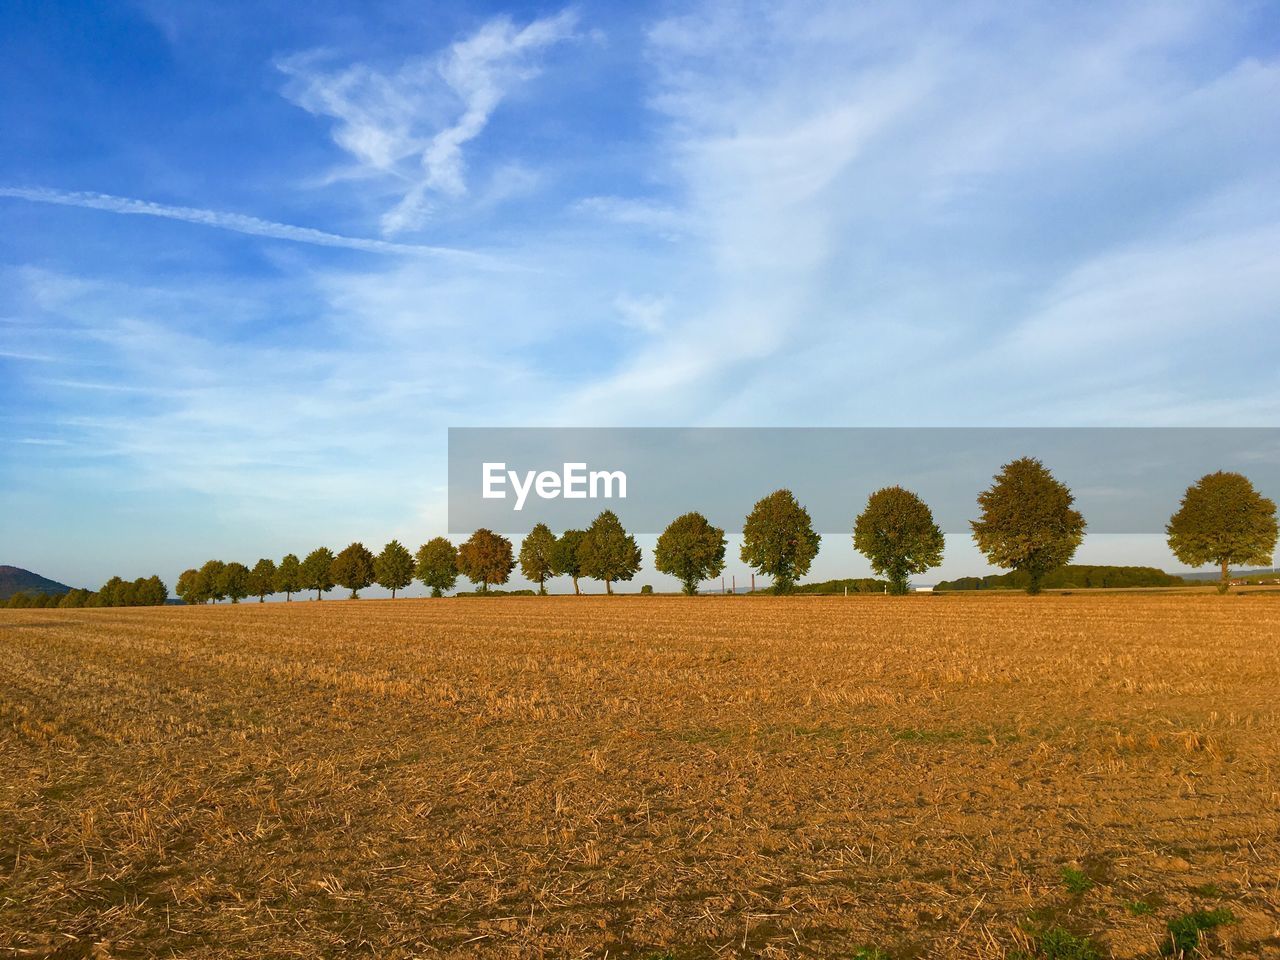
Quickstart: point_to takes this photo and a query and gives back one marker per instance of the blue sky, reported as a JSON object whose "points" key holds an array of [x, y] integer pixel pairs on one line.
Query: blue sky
{"points": [[257, 257]]}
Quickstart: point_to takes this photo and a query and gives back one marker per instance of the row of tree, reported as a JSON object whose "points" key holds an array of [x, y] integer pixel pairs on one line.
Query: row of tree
{"points": [[116, 592], [1027, 524], [604, 551]]}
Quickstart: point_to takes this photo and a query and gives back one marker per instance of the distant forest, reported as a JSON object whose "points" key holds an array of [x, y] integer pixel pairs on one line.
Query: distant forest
{"points": [[1072, 576]]}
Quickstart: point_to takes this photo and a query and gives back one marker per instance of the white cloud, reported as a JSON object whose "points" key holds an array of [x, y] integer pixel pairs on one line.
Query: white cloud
{"points": [[664, 219], [646, 314], [884, 198], [427, 110], [238, 222]]}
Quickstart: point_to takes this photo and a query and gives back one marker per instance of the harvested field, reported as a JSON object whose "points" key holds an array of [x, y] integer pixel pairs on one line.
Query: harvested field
{"points": [[945, 776]]}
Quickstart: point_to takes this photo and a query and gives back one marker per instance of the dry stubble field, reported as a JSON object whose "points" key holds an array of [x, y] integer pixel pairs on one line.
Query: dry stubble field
{"points": [[631, 776]]}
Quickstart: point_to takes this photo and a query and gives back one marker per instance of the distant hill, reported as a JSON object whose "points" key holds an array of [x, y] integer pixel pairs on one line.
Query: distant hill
{"points": [[16, 580], [1073, 576]]}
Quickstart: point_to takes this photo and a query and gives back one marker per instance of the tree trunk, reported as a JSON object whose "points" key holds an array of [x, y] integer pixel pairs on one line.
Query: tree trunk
{"points": [[608, 587], [393, 593], [262, 598], [1225, 585], [576, 592]]}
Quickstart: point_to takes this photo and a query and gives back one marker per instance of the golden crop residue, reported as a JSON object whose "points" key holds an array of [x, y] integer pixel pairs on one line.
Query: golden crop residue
{"points": [[946, 776]]}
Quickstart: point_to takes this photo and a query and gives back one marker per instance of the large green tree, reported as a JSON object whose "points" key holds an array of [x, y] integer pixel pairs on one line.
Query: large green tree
{"points": [[564, 557], [317, 571], [234, 581], [353, 568], [209, 582], [262, 579], [486, 558], [393, 567], [437, 565], [897, 534], [607, 552], [691, 550], [151, 592], [778, 540], [289, 577], [188, 585], [1223, 520], [537, 553], [1027, 521]]}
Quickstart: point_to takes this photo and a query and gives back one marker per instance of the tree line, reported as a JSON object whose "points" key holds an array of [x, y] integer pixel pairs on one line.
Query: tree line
{"points": [[1027, 524], [604, 551], [116, 592]]}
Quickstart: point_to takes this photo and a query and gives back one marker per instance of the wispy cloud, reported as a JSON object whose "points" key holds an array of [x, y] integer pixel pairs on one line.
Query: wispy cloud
{"points": [[427, 110], [863, 239], [222, 220]]}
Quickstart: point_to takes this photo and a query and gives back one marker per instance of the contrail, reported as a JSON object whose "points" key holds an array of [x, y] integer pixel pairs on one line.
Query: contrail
{"points": [[238, 222]]}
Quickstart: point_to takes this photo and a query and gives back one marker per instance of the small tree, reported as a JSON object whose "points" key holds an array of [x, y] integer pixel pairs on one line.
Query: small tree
{"points": [[289, 578], [208, 582], [897, 534], [262, 579], [691, 550], [186, 588], [1223, 520], [437, 565], [779, 541], [486, 558], [353, 569], [565, 561], [234, 581], [537, 551], [1027, 521], [607, 552], [317, 571], [393, 568]]}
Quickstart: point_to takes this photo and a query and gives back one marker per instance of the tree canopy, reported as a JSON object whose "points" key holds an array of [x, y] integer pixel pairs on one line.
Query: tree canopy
{"points": [[607, 552], [897, 534], [289, 578], [691, 550], [1223, 520], [486, 558], [536, 554], [393, 568], [778, 540], [1027, 521], [437, 565], [564, 557], [317, 572], [234, 581], [209, 582], [353, 568], [262, 579], [187, 587]]}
